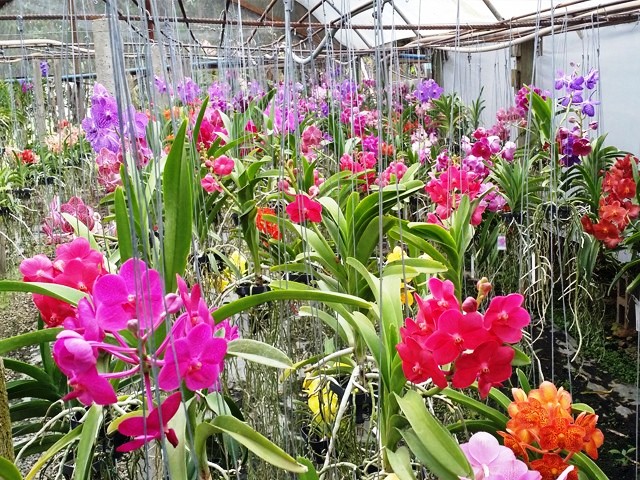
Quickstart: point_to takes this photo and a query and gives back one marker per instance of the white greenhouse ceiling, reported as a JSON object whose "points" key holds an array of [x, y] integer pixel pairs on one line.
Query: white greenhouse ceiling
{"points": [[443, 23]]}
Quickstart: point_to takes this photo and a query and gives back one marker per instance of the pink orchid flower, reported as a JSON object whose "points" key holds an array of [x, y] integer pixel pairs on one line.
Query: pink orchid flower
{"points": [[197, 359], [506, 318], [303, 209], [152, 427], [490, 364], [134, 293], [223, 165], [491, 460], [210, 184]]}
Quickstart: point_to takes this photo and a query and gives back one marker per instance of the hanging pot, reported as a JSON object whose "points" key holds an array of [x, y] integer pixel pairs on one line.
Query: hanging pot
{"points": [[300, 278], [247, 289], [22, 193], [318, 447]]}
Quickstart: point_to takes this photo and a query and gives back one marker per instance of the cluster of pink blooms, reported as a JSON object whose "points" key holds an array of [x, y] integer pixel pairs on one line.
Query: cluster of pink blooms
{"points": [[311, 139], [131, 300], [67, 136], [447, 189], [218, 168], [211, 129], [449, 342], [57, 229]]}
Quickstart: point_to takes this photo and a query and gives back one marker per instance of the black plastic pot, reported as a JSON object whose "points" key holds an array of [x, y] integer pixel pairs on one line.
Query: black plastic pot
{"points": [[248, 289], [46, 180], [317, 446], [518, 217], [5, 211], [300, 278], [360, 401], [557, 212], [22, 193]]}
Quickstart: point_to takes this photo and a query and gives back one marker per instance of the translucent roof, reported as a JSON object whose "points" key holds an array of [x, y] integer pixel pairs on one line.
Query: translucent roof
{"points": [[406, 20]]}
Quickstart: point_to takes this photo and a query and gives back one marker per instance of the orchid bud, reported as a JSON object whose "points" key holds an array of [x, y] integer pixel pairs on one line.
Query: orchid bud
{"points": [[470, 305], [133, 326], [484, 287], [173, 302]]}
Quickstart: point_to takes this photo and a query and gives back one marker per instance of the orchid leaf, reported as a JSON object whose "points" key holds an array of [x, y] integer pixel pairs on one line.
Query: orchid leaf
{"points": [[81, 230], [589, 467], [125, 244], [90, 427], [311, 473], [310, 294], [245, 435], [431, 442], [61, 292], [400, 461], [8, 470], [259, 352], [26, 339], [67, 439], [178, 205]]}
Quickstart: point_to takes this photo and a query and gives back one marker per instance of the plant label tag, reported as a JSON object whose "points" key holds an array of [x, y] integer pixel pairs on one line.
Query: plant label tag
{"points": [[637, 302], [502, 242]]}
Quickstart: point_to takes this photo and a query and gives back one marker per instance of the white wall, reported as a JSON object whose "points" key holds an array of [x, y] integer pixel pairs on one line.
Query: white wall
{"points": [[618, 61]]}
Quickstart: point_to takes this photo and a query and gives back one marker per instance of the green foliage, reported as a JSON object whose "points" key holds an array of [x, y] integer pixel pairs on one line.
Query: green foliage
{"points": [[178, 204]]}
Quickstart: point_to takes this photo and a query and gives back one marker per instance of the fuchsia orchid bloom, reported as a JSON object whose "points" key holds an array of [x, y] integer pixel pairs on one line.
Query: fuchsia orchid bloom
{"points": [[37, 269], [444, 332], [135, 293], [456, 333], [490, 364], [152, 427], [303, 209], [506, 318], [210, 184], [197, 358], [418, 364], [223, 165], [77, 359]]}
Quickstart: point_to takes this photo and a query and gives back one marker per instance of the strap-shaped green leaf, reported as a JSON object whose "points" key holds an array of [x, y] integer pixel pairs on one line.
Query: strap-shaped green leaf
{"points": [[8, 470], [431, 442], [247, 436], [259, 352], [125, 240], [178, 206], [84, 457]]}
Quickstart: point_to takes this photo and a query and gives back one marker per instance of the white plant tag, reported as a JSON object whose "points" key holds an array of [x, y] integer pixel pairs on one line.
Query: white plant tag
{"points": [[502, 243]]}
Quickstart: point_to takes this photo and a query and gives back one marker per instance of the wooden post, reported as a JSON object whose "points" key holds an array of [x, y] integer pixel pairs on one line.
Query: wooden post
{"points": [[104, 58], [525, 55], [57, 80], [6, 439], [38, 95]]}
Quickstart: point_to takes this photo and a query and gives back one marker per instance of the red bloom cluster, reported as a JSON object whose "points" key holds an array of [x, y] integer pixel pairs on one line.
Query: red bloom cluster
{"points": [[616, 206], [28, 157], [444, 332], [76, 265], [268, 228], [542, 423], [447, 189]]}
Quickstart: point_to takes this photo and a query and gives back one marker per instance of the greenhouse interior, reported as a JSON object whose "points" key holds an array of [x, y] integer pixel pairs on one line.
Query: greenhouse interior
{"points": [[319, 239]]}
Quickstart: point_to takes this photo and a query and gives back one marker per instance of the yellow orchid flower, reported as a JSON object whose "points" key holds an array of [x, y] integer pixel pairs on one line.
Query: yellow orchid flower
{"points": [[406, 294], [396, 254], [322, 401], [239, 261]]}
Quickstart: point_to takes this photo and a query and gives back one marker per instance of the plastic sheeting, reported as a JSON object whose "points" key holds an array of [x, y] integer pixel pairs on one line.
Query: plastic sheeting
{"points": [[613, 50]]}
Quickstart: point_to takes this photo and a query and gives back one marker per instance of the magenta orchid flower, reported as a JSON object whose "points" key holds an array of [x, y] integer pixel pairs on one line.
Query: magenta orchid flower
{"points": [[456, 332], [490, 364], [152, 427], [304, 209], [506, 318], [223, 165], [77, 359], [490, 460], [197, 359], [134, 293], [37, 269]]}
